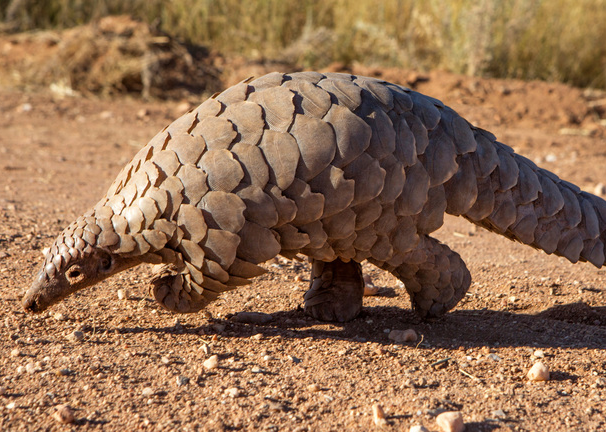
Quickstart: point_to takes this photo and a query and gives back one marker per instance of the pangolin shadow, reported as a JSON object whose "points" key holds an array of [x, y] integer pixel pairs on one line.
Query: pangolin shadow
{"points": [[574, 325]]}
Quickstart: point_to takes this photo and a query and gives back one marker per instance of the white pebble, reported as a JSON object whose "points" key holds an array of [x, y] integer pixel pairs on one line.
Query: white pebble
{"points": [[400, 336], [59, 316], [30, 368], [539, 354], [494, 357], [122, 294], [378, 415], [212, 362], [538, 372], [233, 392], [450, 421], [147, 392], [20, 370], [313, 388], [11, 405], [64, 414], [418, 428], [15, 353]]}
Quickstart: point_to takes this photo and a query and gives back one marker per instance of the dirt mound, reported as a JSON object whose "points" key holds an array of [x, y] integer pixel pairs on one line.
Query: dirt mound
{"points": [[114, 55]]}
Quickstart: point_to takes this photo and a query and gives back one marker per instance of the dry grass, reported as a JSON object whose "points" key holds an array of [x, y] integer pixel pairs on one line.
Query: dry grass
{"points": [[531, 39]]}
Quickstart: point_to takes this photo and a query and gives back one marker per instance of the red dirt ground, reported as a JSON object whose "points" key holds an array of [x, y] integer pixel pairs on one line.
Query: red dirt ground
{"points": [[140, 367]]}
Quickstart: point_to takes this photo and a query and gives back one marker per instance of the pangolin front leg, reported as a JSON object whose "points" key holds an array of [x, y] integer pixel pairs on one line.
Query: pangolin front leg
{"points": [[335, 291]]}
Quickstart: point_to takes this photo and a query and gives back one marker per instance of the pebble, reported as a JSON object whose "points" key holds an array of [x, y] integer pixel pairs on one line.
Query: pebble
{"points": [[498, 413], [299, 278], [418, 428], [258, 336], [253, 318], [147, 392], [11, 405], [233, 392], [400, 336], [450, 421], [539, 354], [600, 189], [64, 414], [122, 294], [494, 357], [212, 362], [76, 336], [20, 370], [313, 388], [59, 316], [30, 368], [378, 415], [538, 372], [256, 369], [2, 390], [15, 353], [182, 380]]}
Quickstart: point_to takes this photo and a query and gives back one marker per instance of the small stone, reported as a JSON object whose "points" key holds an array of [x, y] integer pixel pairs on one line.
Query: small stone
{"points": [[401, 336], [314, 388], [258, 336], [218, 327], [538, 372], [122, 294], [233, 392], [64, 414], [371, 290], [59, 316], [378, 415], [450, 421], [205, 349], [418, 428], [11, 405], [16, 352], [30, 368], [76, 336], [256, 369], [212, 362], [600, 189], [498, 413], [299, 278], [253, 318], [20, 370], [539, 354], [182, 380], [2, 390], [147, 392], [494, 357]]}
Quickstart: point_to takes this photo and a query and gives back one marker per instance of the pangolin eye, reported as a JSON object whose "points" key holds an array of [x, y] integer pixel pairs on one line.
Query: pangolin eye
{"points": [[74, 273]]}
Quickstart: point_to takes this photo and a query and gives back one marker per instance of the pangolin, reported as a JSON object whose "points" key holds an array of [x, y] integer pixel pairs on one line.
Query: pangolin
{"points": [[336, 167]]}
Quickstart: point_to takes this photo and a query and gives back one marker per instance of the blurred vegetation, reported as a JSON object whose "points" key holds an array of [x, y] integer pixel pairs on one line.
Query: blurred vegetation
{"points": [[530, 39]]}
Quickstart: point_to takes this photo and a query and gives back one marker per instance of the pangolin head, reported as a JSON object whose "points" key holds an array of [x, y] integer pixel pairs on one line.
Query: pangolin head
{"points": [[74, 261]]}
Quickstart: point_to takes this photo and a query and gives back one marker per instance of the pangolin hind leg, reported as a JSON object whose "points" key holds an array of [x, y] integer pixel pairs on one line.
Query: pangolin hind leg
{"points": [[434, 275], [335, 291]]}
